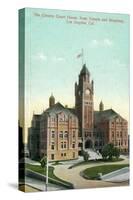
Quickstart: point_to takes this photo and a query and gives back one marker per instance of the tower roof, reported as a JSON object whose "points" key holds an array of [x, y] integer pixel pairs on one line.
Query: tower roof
{"points": [[84, 70], [101, 104], [51, 97]]}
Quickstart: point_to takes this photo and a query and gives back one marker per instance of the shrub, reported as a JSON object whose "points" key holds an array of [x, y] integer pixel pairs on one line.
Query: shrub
{"points": [[85, 155], [116, 153], [109, 151], [43, 161]]}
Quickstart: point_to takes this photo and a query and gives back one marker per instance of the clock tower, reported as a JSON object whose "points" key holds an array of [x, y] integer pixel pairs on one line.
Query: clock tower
{"points": [[84, 91]]}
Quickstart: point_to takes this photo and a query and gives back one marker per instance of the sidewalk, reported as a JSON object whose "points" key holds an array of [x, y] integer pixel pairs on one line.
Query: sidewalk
{"points": [[73, 176], [40, 185], [117, 176]]}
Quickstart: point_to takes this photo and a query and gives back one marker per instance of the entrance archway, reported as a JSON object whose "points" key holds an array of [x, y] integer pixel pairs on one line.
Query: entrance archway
{"points": [[89, 144]]}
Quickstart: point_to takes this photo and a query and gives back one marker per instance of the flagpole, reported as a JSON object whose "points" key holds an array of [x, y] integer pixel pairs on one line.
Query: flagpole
{"points": [[47, 175], [47, 164], [81, 55]]}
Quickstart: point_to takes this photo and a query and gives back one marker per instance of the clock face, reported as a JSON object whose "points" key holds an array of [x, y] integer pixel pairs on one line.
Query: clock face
{"points": [[87, 91], [79, 93]]}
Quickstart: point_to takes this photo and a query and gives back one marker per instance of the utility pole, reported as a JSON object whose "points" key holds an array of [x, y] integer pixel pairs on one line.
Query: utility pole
{"points": [[82, 53], [47, 163]]}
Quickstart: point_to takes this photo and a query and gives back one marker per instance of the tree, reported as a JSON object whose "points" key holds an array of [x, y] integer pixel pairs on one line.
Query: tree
{"points": [[43, 161], [109, 151], [105, 152], [85, 155], [116, 152]]}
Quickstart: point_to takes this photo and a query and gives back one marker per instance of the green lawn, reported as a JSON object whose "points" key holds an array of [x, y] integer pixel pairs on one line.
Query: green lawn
{"points": [[92, 173], [41, 170]]}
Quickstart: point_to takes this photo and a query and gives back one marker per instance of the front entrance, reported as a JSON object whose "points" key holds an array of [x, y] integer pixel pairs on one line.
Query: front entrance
{"points": [[88, 144]]}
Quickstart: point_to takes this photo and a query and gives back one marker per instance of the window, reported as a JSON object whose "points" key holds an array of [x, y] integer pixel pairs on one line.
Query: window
{"points": [[96, 143], [90, 134], [61, 145], [53, 119], [61, 134], [52, 146], [112, 133], [52, 156], [100, 143], [74, 134], [61, 119], [85, 134], [97, 134], [70, 117], [63, 155], [64, 145], [53, 135], [80, 145], [117, 134], [65, 118], [66, 134], [73, 145]]}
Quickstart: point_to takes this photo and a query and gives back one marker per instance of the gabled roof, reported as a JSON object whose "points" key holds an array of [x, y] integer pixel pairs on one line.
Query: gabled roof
{"points": [[57, 108], [105, 115], [72, 110]]}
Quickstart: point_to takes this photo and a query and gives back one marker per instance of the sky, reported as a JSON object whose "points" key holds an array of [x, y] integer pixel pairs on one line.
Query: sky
{"points": [[54, 38]]}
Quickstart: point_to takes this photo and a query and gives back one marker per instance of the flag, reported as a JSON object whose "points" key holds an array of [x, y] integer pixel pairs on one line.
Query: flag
{"points": [[79, 55]]}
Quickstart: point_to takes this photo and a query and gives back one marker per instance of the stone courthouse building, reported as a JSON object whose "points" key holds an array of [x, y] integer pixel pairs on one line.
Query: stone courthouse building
{"points": [[63, 132], [59, 133]]}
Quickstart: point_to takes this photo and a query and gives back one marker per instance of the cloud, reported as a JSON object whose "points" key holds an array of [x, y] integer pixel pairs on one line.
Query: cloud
{"points": [[101, 43], [118, 63], [107, 42], [58, 59], [94, 43], [43, 57], [40, 56]]}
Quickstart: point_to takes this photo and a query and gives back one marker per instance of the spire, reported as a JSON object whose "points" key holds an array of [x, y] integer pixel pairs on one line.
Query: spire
{"points": [[101, 106], [84, 71], [84, 74], [51, 100]]}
